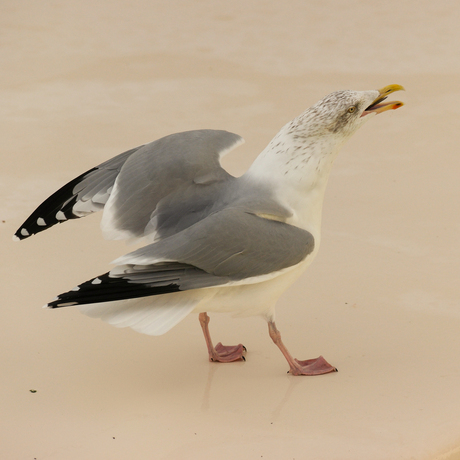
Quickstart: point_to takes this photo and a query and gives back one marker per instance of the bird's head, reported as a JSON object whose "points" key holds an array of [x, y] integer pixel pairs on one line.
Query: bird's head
{"points": [[341, 113], [304, 150]]}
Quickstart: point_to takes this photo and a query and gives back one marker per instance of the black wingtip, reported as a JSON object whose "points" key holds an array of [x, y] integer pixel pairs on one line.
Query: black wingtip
{"points": [[106, 288], [36, 224], [22, 233], [54, 210]]}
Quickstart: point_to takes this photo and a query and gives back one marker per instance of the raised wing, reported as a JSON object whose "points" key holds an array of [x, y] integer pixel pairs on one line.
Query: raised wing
{"points": [[129, 186], [179, 173]]}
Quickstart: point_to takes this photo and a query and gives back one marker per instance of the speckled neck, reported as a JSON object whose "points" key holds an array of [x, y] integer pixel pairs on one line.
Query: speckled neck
{"points": [[297, 163]]}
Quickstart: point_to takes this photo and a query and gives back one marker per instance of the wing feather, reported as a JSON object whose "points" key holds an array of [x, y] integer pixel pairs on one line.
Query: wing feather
{"points": [[228, 247], [75, 199]]}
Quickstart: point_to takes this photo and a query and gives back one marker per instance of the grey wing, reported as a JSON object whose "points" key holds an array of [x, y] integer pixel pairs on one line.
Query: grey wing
{"points": [[234, 243], [167, 174], [83, 195], [129, 186], [226, 247]]}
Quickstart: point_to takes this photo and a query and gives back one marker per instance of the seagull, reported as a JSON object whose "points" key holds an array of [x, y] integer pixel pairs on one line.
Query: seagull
{"points": [[212, 242]]}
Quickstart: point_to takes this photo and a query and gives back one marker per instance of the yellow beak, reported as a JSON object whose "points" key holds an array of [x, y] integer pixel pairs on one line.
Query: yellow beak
{"points": [[377, 107]]}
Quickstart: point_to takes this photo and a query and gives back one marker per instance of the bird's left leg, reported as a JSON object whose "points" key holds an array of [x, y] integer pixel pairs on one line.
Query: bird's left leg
{"points": [[220, 353]]}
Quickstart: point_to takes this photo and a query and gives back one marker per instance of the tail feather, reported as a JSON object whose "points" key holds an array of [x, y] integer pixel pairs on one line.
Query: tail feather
{"points": [[151, 316]]}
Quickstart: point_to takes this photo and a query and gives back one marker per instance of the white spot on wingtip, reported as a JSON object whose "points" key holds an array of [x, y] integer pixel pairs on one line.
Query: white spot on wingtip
{"points": [[15, 238], [41, 222], [24, 232], [96, 281], [76, 288], [60, 216]]}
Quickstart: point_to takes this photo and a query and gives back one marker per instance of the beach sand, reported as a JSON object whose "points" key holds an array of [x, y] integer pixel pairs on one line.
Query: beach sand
{"points": [[84, 81]]}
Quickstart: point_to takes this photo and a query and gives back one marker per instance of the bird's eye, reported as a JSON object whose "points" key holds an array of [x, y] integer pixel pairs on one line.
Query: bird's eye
{"points": [[352, 109]]}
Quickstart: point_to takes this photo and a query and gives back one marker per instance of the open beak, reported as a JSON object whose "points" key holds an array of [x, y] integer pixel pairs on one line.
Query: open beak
{"points": [[378, 107]]}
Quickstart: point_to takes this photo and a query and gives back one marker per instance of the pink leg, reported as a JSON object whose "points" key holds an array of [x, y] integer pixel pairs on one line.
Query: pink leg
{"points": [[315, 366], [221, 353]]}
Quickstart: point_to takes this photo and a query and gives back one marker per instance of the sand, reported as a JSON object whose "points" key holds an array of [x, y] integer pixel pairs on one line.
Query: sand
{"points": [[84, 81]]}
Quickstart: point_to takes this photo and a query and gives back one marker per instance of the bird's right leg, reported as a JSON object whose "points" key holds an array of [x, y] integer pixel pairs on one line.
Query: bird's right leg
{"points": [[220, 353], [316, 366]]}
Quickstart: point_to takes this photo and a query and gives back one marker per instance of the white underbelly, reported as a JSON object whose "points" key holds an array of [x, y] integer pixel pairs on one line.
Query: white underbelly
{"points": [[250, 299]]}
